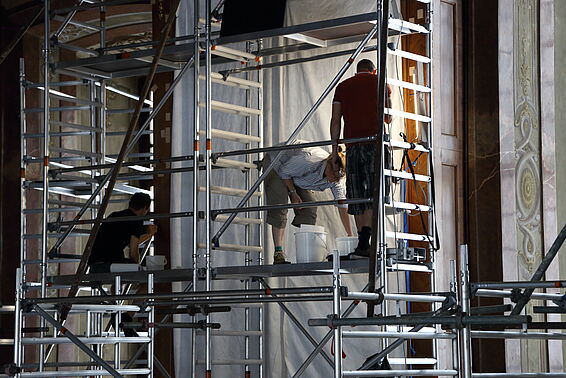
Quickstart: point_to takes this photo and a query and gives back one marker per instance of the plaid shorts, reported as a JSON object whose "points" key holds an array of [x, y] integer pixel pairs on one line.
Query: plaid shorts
{"points": [[360, 161]]}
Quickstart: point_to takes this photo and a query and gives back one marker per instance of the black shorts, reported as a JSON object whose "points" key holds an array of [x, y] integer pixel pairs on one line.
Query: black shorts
{"points": [[360, 165]]}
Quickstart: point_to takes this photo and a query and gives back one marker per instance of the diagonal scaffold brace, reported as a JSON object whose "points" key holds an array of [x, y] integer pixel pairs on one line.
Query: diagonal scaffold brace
{"points": [[81, 270]]}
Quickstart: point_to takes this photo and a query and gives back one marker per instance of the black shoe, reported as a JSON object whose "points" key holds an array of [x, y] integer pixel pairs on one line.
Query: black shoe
{"points": [[359, 253]]}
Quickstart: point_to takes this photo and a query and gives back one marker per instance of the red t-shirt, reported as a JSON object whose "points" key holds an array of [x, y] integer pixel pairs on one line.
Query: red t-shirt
{"points": [[358, 101]]}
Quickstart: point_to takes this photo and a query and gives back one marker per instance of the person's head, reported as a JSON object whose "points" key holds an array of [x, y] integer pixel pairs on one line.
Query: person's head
{"points": [[337, 168], [365, 65], [139, 203]]}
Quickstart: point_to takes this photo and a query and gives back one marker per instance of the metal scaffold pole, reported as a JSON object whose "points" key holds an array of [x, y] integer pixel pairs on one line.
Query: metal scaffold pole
{"points": [[465, 332], [45, 171], [208, 172], [378, 216], [196, 161]]}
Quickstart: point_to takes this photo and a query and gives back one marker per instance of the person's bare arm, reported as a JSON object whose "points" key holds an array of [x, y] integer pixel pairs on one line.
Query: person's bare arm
{"points": [[293, 196], [386, 117], [335, 125], [345, 218], [135, 242], [135, 248]]}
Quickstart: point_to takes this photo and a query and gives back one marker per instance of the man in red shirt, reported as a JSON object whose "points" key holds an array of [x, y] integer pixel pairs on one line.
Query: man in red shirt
{"points": [[355, 100]]}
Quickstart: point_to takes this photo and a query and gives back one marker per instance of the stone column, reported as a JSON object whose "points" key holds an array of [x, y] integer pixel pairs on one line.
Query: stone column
{"points": [[526, 129]]}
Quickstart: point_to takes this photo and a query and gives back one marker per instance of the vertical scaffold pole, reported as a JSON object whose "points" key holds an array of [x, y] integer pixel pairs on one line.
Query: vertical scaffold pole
{"points": [[454, 290], [18, 319], [117, 321], [465, 332], [102, 28], [20, 273], [151, 328], [262, 229], [378, 221], [208, 117], [45, 171], [196, 148], [337, 311]]}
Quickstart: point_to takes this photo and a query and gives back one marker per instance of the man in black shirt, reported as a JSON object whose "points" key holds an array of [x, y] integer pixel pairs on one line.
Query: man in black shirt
{"points": [[113, 237]]}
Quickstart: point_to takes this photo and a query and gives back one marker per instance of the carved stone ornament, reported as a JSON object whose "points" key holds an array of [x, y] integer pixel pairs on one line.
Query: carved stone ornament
{"points": [[527, 138]]}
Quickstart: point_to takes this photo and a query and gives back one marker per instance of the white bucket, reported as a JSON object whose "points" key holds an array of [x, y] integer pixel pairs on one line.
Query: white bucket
{"points": [[310, 246], [156, 262], [346, 244]]}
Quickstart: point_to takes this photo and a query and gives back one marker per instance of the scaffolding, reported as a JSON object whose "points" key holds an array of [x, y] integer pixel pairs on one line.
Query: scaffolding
{"points": [[92, 175]]}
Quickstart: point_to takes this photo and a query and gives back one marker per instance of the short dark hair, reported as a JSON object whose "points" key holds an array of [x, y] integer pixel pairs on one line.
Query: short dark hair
{"points": [[139, 201], [365, 65]]}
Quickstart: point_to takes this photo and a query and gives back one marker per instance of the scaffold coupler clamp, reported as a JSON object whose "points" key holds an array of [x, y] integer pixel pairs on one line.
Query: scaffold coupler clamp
{"points": [[560, 302], [11, 369], [330, 320], [516, 295], [450, 300]]}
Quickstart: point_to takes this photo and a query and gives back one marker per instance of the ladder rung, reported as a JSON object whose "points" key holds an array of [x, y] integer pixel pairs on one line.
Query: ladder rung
{"points": [[233, 362], [231, 108], [232, 81], [230, 135], [406, 175], [408, 85], [408, 206], [234, 247], [404, 145], [412, 361], [85, 340], [240, 220], [74, 99], [407, 236], [406, 26], [227, 191], [409, 55], [7, 309], [228, 163], [407, 115], [230, 53], [6, 341], [410, 267]]}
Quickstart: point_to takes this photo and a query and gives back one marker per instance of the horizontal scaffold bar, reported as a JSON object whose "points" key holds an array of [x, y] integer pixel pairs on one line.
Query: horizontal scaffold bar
{"points": [[183, 295], [293, 146], [290, 206], [124, 219], [83, 373], [396, 372]]}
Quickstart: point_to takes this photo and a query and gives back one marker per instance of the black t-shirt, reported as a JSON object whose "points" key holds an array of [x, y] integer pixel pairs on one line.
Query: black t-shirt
{"points": [[113, 237]]}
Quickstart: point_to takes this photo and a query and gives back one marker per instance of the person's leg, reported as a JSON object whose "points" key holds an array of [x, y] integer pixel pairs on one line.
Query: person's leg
{"points": [[305, 215], [359, 184], [276, 194]]}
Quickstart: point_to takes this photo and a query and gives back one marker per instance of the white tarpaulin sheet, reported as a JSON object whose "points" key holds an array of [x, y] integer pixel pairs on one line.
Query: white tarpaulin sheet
{"points": [[289, 93]]}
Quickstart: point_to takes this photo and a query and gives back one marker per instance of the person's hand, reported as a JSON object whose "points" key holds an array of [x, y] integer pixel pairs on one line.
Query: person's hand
{"points": [[295, 198], [152, 229]]}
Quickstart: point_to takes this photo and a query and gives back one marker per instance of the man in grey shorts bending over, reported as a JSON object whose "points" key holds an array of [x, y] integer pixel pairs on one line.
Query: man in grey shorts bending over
{"points": [[297, 173], [355, 99]]}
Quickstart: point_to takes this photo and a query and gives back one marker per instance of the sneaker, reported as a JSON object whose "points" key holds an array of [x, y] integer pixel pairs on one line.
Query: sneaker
{"points": [[279, 258]]}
